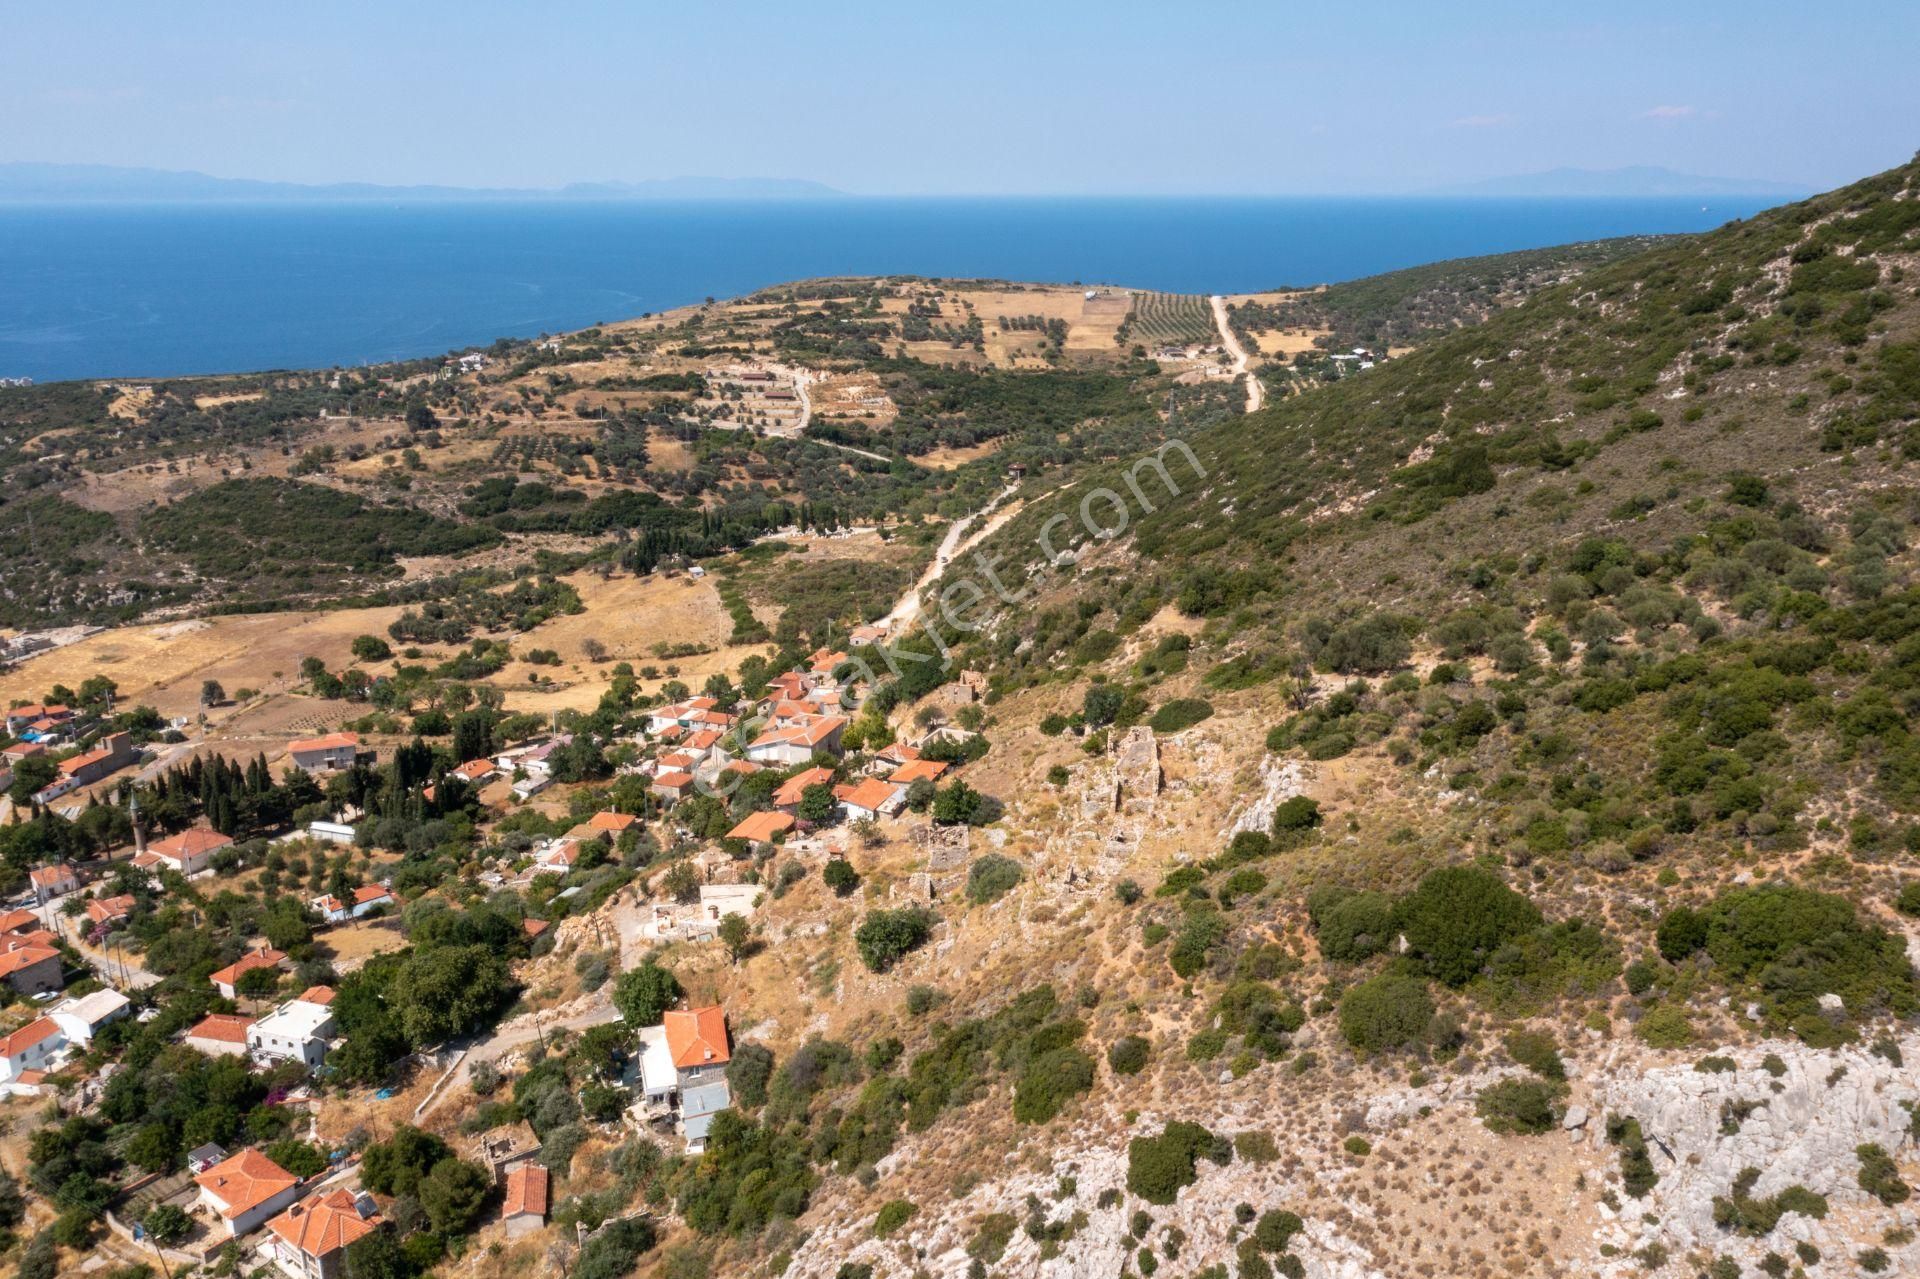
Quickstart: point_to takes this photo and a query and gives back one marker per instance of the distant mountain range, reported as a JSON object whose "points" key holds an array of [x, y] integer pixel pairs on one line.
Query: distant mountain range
{"points": [[32, 183], [1635, 180]]}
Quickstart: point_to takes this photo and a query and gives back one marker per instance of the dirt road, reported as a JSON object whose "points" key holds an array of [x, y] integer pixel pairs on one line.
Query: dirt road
{"points": [[957, 542], [1256, 394]]}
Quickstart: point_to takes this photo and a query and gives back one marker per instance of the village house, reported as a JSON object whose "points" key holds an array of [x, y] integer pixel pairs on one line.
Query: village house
{"points": [[362, 901], [612, 824], [246, 1189], [22, 750], [872, 633], [29, 1054], [799, 742], [104, 912], [476, 772], [870, 799], [918, 770], [310, 1240], [226, 981], [895, 755], [111, 754], [787, 798], [791, 686], [683, 714], [698, 1043], [23, 719], [671, 786], [220, 1035], [299, 1030], [30, 964], [525, 1208], [81, 1018], [761, 827], [54, 881], [329, 754], [190, 852], [20, 921]]}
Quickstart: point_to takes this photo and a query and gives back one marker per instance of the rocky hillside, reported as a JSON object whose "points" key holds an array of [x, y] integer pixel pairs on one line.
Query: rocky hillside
{"points": [[1532, 890]]}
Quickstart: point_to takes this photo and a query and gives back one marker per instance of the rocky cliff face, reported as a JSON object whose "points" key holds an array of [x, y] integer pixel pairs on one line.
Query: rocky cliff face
{"points": [[1437, 1194]]}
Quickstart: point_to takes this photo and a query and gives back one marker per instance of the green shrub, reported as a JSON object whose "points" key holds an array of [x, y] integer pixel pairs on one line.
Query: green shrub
{"points": [[1637, 1175], [1200, 932], [1128, 1055], [1880, 1176], [1158, 1168], [1180, 714], [1536, 1050], [1457, 917], [1665, 1027], [992, 877], [1296, 815], [991, 1237], [893, 1214], [1520, 1106], [1256, 1147], [1050, 1081], [886, 935], [1356, 927], [1388, 1012], [1276, 1229], [1741, 1211]]}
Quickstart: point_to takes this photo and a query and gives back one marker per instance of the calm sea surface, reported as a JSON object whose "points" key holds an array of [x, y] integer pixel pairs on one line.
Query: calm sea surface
{"points": [[158, 290]]}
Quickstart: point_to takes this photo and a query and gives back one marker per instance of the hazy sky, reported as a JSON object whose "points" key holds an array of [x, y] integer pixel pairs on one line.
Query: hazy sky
{"points": [[981, 97]]}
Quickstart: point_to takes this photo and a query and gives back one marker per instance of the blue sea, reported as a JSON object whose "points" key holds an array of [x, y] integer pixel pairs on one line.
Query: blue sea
{"points": [[148, 291]]}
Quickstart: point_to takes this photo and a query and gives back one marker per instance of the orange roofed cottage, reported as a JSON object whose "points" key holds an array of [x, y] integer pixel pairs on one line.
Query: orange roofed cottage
{"points": [[226, 981], [190, 852], [761, 827], [246, 1189], [310, 1240], [525, 1209], [331, 753]]}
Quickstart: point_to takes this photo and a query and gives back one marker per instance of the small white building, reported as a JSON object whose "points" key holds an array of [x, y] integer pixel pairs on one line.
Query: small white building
{"points": [[295, 1031], [362, 901], [81, 1018], [330, 753], [29, 1053]]}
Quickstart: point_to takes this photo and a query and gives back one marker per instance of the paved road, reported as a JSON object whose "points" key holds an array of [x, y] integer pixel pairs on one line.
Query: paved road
{"points": [[1256, 394]]}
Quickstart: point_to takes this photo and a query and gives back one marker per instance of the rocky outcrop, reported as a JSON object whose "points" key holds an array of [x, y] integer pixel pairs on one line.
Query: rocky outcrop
{"points": [[1797, 1115]]}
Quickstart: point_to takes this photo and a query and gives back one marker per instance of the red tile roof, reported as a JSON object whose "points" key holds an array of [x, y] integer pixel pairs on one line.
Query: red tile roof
{"points": [[22, 953], [761, 827], [191, 842], [916, 769], [102, 910], [27, 1036], [332, 741], [225, 1028], [245, 964], [869, 794], [612, 821], [324, 1225], [697, 1037], [526, 1191], [244, 1181], [791, 790], [16, 920], [322, 995]]}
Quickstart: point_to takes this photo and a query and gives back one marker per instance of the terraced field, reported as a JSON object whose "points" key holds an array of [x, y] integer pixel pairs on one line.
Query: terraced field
{"points": [[1175, 318]]}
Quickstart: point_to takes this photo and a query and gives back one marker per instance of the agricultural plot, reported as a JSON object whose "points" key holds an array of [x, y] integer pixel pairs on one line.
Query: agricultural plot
{"points": [[1174, 319]]}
